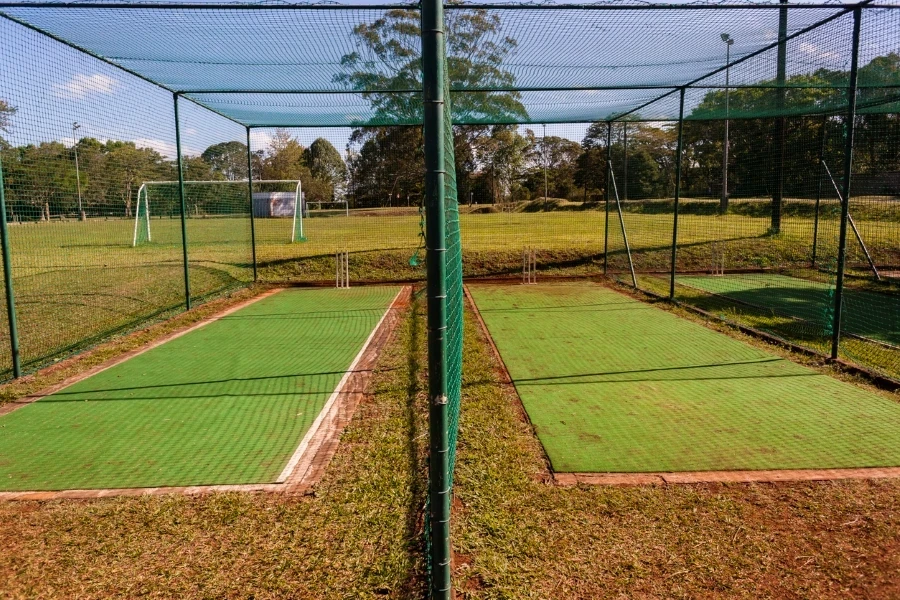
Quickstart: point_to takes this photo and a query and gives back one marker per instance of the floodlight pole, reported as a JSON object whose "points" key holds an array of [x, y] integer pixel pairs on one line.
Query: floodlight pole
{"points": [[780, 122], [608, 177], [75, 128], [679, 150], [252, 217], [439, 476], [8, 283], [845, 203], [625, 160], [820, 167], [184, 241], [723, 202]]}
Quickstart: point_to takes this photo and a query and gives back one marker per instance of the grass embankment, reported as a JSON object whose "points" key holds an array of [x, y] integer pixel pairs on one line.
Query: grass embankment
{"points": [[515, 536]]}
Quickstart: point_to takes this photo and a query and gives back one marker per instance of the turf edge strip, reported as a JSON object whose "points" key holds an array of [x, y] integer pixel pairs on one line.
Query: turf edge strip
{"points": [[316, 435], [687, 477]]}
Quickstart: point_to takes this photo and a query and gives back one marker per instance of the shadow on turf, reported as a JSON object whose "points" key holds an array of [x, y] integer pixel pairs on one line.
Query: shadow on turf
{"points": [[554, 380], [870, 315], [79, 396]]}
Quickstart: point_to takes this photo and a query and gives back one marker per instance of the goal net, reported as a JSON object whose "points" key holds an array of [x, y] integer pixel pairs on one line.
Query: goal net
{"points": [[219, 199]]}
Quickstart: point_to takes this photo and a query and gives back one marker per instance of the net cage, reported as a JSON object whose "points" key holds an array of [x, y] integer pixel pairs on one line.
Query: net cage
{"points": [[740, 158]]}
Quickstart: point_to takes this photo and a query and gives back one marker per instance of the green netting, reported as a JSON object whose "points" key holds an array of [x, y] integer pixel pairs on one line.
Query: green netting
{"points": [[454, 284], [511, 64]]}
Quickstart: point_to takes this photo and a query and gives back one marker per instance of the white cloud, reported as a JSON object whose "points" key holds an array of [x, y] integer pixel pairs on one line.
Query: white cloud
{"points": [[81, 85], [167, 149], [191, 131], [817, 51]]}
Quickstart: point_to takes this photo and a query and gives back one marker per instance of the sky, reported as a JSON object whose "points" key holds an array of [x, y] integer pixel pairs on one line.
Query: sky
{"points": [[53, 86]]}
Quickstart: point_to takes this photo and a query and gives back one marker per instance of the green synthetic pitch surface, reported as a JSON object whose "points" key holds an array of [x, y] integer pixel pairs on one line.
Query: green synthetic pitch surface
{"points": [[612, 384], [869, 314], [227, 403]]}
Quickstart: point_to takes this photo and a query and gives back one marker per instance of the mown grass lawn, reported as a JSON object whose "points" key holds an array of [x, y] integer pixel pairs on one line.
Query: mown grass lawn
{"points": [[77, 283]]}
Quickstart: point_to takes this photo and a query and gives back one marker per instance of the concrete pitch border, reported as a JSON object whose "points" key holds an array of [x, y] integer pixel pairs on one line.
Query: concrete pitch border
{"points": [[687, 477], [307, 464]]}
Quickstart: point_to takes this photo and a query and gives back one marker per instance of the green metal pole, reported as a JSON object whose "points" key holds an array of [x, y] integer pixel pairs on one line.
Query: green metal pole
{"points": [[608, 175], [679, 150], [436, 252], [820, 167], [184, 240], [8, 282], [780, 122], [845, 204], [252, 218]]}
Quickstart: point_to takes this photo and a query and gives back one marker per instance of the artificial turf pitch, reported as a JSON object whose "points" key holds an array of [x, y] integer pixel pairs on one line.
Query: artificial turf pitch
{"points": [[868, 314], [612, 384], [227, 403]]}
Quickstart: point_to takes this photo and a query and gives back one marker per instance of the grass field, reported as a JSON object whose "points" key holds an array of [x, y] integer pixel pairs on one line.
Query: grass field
{"points": [[358, 534], [226, 403], [77, 283], [612, 384]]}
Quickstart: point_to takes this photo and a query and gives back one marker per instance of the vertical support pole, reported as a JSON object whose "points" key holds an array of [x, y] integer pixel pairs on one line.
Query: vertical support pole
{"points": [[608, 176], [679, 150], [625, 160], [820, 166], [252, 217], [436, 252], [780, 123], [544, 144], [845, 204], [8, 283], [184, 241]]}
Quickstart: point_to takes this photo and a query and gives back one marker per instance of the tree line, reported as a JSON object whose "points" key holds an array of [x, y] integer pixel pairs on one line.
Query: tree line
{"points": [[41, 180]]}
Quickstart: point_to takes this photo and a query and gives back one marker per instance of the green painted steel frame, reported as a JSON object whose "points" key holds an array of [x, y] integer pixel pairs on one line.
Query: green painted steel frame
{"points": [[184, 241], [845, 201], [8, 283], [252, 217], [439, 476]]}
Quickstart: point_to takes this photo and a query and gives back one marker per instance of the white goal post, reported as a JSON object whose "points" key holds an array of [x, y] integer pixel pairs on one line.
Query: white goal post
{"points": [[272, 209]]}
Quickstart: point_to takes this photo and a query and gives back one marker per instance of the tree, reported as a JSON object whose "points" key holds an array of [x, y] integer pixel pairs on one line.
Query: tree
{"points": [[559, 156], [326, 165], [6, 113], [284, 158], [127, 166], [387, 57], [227, 158], [40, 179]]}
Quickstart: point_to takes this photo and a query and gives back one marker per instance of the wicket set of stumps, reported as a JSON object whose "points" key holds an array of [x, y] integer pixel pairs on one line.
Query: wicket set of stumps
{"points": [[529, 265], [342, 269]]}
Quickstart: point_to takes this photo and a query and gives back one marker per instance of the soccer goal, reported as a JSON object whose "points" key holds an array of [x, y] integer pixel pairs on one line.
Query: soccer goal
{"points": [[272, 198], [328, 208]]}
